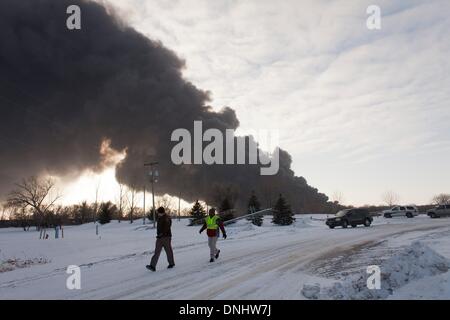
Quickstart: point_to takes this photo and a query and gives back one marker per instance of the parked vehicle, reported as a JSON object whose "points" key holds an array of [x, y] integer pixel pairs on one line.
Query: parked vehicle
{"points": [[401, 211], [439, 211], [350, 217]]}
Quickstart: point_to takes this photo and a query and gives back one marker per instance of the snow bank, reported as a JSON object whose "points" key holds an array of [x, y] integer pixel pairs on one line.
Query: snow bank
{"points": [[311, 291], [17, 263], [413, 263], [434, 287]]}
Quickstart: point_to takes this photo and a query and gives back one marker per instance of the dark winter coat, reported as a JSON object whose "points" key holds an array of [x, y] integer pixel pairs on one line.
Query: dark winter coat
{"points": [[163, 226]]}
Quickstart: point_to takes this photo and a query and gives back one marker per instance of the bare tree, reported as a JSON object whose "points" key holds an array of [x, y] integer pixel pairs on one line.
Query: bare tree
{"points": [[390, 198], [337, 197], [441, 199], [185, 212], [3, 215], [18, 214], [132, 202], [34, 193], [120, 202]]}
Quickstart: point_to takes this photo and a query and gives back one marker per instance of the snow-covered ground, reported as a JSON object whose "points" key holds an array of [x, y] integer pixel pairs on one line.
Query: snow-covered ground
{"points": [[268, 262]]}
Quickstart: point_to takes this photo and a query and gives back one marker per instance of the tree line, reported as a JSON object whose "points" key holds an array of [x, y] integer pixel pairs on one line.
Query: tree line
{"points": [[33, 202]]}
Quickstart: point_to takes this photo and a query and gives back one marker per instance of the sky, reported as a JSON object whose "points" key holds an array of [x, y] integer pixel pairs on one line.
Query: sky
{"points": [[361, 111]]}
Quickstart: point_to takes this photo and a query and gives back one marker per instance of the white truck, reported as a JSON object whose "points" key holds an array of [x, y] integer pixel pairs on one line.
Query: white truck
{"points": [[401, 211]]}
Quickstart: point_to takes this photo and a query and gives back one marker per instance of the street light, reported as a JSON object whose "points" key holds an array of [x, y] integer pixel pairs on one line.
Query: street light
{"points": [[153, 179]]}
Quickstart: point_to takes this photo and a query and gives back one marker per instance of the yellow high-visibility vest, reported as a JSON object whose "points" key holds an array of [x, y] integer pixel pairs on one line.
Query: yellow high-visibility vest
{"points": [[211, 223]]}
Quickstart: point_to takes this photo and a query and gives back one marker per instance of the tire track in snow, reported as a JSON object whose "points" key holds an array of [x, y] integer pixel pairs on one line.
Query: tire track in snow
{"points": [[62, 270], [296, 257], [291, 252]]}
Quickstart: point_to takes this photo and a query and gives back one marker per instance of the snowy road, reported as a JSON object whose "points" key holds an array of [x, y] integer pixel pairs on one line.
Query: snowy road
{"points": [[256, 263]]}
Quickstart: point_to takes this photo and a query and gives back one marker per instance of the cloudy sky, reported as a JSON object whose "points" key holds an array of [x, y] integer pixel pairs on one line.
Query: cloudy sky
{"points": [[361, 111]]}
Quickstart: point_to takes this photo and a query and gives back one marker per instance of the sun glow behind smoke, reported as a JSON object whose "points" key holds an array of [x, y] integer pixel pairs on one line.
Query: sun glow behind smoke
{"points": [[102, 185], [91, 185]]}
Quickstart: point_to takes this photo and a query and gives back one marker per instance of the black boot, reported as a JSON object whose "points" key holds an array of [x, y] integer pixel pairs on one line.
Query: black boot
{"points": [[170, 266], [217, 254], [211, 260], [152, 268]]}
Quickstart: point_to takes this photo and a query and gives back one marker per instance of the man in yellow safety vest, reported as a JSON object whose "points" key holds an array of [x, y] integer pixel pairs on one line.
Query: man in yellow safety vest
{"points": [[212, 224]]}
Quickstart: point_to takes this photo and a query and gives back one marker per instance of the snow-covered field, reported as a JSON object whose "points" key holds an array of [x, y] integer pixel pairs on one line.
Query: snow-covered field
{"points": [[305, 260]]}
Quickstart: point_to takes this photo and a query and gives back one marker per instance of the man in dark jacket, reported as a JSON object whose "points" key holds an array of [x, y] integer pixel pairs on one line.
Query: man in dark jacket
{"points": [[163, 240], [212, 223]]}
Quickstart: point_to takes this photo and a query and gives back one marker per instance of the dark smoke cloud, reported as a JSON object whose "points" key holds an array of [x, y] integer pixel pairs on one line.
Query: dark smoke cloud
{"points": [[63, 92]]}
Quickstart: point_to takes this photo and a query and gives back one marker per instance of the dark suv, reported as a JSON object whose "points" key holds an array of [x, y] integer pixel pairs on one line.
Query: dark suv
{"points": [[351, 217]]}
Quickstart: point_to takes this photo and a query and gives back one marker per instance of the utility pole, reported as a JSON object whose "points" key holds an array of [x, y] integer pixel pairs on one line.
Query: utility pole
{"points": [[179, 205], [153, 174], [153, 200], [144, 202], [120, 202], [96, 202]]}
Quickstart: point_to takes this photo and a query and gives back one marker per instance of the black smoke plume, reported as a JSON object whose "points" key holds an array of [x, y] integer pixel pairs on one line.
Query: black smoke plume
{"points": [[64, 92]]}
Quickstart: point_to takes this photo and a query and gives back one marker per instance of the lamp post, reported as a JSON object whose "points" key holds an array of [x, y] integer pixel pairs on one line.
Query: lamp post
{"points": [[153, 179]]}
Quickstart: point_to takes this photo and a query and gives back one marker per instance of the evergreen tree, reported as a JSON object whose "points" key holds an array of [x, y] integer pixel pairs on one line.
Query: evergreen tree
{"points": [[197, 213], [254, 206], [83, 213], [282, 214], [106, 212], [226, 209]]}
